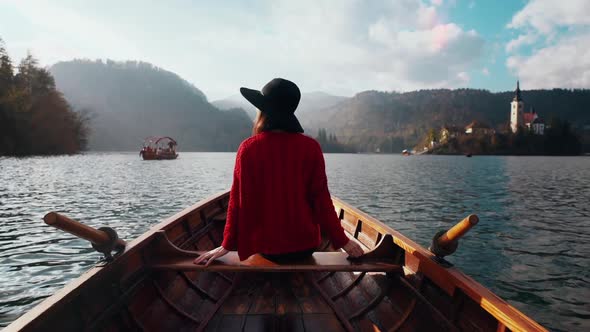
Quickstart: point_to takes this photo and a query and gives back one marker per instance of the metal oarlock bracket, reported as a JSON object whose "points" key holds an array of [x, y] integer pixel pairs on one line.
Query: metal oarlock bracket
{"points": [[107, 248], [445, 242], [104, 240]]}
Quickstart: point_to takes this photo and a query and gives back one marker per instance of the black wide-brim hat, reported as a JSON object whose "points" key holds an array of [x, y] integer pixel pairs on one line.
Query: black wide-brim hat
{"points": [[278, 100]]}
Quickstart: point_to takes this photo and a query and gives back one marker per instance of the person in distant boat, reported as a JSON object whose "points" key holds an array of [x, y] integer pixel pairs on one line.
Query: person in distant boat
{"points": [[279, 200]]}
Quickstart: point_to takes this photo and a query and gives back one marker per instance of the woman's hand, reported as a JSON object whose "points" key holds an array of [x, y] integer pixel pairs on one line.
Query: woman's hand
{"points": [[353, 249], [210, 256]]}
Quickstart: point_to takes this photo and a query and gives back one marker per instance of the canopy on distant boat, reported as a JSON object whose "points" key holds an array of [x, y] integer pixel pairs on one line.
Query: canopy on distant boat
{"points": [[155, 140], [158, 148]]}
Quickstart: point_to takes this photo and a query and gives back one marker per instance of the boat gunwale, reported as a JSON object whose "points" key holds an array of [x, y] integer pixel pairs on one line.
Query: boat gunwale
{"points": [[453, 278], [72, 288]]}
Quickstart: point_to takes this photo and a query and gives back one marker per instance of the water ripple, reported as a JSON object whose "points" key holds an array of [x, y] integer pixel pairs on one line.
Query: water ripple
{"points": [[531, 246]]}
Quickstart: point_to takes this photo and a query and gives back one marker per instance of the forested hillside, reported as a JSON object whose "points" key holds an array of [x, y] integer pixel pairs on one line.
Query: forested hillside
{"points": [[391, 121], [129, 101], [312, 106], [35, 119]]}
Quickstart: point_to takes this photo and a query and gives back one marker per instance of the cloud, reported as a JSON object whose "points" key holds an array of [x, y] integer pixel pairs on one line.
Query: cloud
{"points": [[546, 15], [62, 33], [560, 33], [341, 48], [463, 77], [416, 55], [485, 71], [386, 45], [522, 40], [565, 64]]}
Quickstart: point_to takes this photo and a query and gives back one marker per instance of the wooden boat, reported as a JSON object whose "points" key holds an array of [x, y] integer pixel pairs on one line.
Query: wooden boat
{"points": [[152, 284], [159, 148]]}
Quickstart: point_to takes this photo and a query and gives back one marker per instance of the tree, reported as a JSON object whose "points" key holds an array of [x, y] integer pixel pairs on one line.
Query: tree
{"points": [[322, 136], [432, 135], [329, 142], [6, 71], [34, 117], [33, 79]]}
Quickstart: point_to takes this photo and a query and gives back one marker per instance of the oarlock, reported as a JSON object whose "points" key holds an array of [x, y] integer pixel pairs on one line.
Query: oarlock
{"points": [[104, 240], [446, 242]]}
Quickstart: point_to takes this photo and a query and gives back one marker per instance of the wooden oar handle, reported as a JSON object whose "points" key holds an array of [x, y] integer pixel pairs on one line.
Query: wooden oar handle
{"points": [[457, 231], [78, 229]]}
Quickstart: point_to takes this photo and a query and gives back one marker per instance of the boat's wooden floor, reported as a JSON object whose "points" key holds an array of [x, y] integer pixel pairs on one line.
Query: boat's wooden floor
{"points": [[307, 296], [275, 302], [154, 286], [294, 302]]}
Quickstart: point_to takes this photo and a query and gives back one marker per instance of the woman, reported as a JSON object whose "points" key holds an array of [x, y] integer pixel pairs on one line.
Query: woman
{"points": [[279, 198]]}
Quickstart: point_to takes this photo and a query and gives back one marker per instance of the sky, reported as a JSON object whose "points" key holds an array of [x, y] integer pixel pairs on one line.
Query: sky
{"points": [[337, 46]]}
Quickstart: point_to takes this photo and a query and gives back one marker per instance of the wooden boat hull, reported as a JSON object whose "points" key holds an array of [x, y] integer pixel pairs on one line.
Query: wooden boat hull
{"points": [[132, 293], [158, 156]]}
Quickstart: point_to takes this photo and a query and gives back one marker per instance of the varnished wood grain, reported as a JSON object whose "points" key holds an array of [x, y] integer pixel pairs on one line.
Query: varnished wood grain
{"points": [[322, 322], [448, 279], [145, 289], [78, 229], [320, 261]]}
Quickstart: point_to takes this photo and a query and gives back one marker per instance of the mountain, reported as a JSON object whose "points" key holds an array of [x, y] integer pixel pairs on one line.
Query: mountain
{"points": [[316, 106], [129, 101], [312, 106], [392, 121], [236, 102]]}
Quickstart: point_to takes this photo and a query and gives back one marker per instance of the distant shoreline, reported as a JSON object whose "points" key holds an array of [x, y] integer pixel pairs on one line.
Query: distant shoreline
{"points": [[510, 154], [352, 153]]}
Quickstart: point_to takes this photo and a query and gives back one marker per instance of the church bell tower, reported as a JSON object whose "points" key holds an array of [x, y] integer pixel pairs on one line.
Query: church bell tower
{"points": [[517, 109]]}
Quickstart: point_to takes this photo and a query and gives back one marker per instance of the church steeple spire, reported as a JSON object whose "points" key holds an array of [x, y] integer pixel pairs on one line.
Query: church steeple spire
{"points": [[517, 96], [516, 109]]}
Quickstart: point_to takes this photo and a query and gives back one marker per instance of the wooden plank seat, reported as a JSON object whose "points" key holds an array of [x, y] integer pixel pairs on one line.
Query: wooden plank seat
{"points": [[164, 255], [320, 261]]}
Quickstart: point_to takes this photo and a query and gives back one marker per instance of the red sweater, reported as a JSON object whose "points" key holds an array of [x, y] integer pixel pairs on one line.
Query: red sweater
{"points": [[279, 197]]}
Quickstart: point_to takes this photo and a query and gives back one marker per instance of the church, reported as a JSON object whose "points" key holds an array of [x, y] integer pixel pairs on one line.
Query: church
{"points": [[529, 120]]}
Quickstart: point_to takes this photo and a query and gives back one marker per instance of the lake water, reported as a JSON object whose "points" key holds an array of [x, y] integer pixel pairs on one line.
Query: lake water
{"points": [[531, 247]]}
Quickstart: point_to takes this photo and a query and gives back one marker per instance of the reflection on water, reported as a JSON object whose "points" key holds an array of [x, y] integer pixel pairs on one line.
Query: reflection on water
{"points": [[531, 246], [118, 190]]}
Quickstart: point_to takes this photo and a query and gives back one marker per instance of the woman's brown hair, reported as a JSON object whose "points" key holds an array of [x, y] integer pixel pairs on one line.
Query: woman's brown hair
{"points": [[259, 123], [265, 122]]}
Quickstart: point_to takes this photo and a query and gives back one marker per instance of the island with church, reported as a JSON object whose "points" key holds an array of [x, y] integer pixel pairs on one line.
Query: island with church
{"points": [[524, 133]]}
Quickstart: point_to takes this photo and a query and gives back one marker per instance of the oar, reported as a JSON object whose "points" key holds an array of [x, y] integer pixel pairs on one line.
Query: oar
{"points": [[104, 239], [445, 243]]}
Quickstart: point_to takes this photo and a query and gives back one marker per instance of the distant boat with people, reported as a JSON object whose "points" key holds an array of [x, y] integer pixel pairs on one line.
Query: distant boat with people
{"points": [[159, 148], [406, 153]]}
